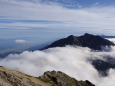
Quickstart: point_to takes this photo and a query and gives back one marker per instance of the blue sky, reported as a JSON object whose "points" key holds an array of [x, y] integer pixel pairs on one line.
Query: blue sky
{"points": [[53, 19], [81, 3]]}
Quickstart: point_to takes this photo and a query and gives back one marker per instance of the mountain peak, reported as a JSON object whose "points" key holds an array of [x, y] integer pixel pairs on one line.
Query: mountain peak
{"points": [[59, 78], [87, 34], [71, 36], [72, 39], [87, 40]]}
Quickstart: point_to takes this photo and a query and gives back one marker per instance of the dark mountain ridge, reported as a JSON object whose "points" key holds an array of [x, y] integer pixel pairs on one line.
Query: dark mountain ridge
{"points": [[87, 40]]}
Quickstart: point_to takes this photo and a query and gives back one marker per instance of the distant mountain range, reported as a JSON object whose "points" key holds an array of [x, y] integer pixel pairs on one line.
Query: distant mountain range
{"points": [[93, 42], [106, 36], [87, 40]]}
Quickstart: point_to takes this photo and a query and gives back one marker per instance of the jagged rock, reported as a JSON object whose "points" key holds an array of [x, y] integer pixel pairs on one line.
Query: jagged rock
{"points": [[61, 79], [87, 40], [13, 78]]}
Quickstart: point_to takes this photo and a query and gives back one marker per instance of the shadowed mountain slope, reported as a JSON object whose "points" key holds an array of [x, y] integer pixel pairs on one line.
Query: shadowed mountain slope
{"points": [[86, 40]]}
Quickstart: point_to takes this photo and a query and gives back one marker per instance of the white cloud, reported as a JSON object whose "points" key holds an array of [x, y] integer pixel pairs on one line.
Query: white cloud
{"points": [[97, 18], [70, 60], [111, 39], [20, 41], [108, 81]]}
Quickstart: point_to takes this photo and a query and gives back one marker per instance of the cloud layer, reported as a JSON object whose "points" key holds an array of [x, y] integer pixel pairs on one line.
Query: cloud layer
{"points": [[71, 60], [17, 18]]}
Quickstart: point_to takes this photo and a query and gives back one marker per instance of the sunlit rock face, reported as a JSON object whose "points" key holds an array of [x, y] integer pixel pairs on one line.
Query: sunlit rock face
{"points": [[58, 78]]}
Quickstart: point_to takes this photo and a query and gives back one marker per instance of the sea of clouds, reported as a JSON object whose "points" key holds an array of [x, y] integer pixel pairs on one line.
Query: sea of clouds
{"points": [[73, 61]]}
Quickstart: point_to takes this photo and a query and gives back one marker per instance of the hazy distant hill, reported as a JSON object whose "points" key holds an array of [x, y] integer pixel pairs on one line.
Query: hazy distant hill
{"points": [[106, 36]]}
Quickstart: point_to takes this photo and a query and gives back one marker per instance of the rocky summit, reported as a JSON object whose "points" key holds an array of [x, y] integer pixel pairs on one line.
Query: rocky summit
{"points": [[58, 78], [87, 40], [13, 78]]}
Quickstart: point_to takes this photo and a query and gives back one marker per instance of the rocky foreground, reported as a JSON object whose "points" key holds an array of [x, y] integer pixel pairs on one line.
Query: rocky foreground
{"points": [[13, 78]]}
